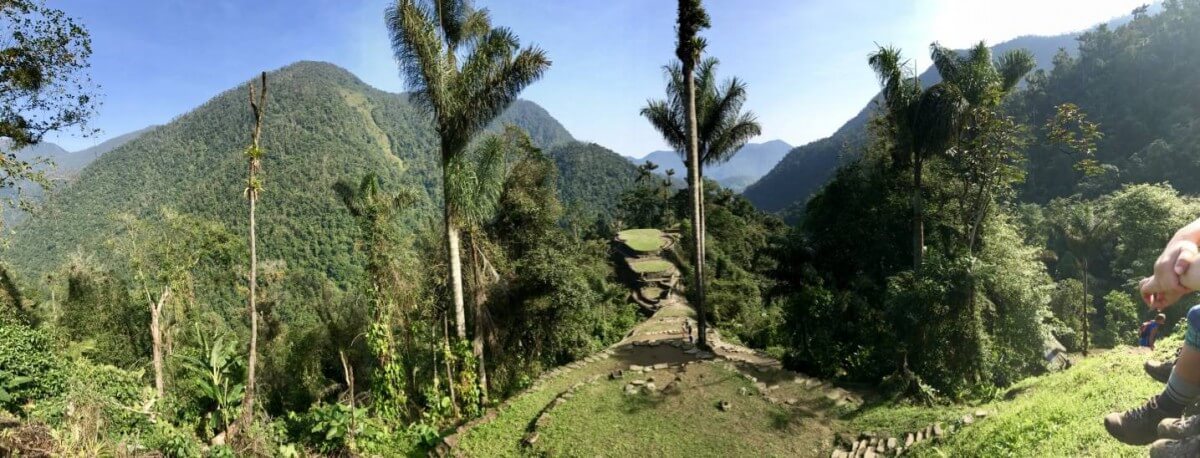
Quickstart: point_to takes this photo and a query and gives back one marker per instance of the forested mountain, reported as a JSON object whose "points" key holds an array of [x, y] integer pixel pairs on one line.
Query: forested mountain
{"points": [[322, 125], [69, 165], [591, 177], [807, 167], [1139, 83], [749, 164]]}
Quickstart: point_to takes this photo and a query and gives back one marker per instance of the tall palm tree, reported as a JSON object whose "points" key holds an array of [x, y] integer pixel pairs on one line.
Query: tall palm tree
{"points": [[688, 47], [1086, 231], [723, 128], [429, 37], [928, 122]]}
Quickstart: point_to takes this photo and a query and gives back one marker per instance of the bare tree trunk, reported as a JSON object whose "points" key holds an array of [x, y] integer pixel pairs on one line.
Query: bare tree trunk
{"points": [[252, 188], [449, 367], [694, 186], [1084, 312], [348, 372], [453, 247], [918, 220], [156, 339]]}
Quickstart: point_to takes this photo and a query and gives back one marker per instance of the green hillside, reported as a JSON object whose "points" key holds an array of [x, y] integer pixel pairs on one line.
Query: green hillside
{"points": [[591, 177], [322, 125]]}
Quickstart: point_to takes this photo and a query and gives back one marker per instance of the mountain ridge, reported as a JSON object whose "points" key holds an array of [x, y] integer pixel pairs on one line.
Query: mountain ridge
{"points": [[323, 124], [808, 167]]}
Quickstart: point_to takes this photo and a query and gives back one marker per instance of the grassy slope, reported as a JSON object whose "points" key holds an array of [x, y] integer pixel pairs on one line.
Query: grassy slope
{"points": [[1057, 414], [1060, 414], [603, 421]]}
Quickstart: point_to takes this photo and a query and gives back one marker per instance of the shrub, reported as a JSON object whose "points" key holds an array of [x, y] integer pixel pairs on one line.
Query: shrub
{"points": [[31, 371]]}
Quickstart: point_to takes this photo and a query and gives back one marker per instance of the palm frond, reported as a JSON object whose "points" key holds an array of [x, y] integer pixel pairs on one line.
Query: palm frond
{"points": [[947, 62], [1013, 66], [667, 121], [418, 49], [938, 116], [732, 137]]}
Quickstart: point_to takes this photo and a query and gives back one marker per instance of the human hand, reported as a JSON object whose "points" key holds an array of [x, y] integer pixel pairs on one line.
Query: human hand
{"points": [[1170, 282]]}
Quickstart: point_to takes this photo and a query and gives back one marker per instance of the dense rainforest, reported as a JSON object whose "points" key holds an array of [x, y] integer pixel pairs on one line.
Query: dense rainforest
{"points": [[420, 260]]}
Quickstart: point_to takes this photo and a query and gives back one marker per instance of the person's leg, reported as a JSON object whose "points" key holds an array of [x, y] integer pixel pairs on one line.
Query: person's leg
{"points": [[1140, 426]]}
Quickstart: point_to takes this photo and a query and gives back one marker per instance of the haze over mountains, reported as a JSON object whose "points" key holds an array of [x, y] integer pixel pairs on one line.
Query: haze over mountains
{"points": [[749, 164]]}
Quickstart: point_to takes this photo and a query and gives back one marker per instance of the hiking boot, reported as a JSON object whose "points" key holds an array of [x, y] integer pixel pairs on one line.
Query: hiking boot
{"points": [[1167, 448], [1179, 428], [1160, 371], [1138, 426]]}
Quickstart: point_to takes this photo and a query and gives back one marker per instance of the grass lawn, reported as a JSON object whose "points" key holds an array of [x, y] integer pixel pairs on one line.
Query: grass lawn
{"points": [[651, 292], [502, 436], [643, 240], [1058, 414], [650, 266], [603, 421]]}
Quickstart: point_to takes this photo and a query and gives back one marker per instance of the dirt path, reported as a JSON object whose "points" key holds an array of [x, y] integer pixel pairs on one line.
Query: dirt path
{"points": [[656, 350]]}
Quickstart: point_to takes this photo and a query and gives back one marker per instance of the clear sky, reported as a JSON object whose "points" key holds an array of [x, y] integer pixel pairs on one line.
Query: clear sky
{"points": [[804, 60]]}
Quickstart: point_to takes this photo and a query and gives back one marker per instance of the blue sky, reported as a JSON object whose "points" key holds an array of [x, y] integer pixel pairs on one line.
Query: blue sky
{"points": [[804, 60]]}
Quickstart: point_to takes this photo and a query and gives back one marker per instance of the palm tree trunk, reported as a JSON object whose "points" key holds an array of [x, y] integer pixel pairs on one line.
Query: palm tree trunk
{"points": [[703, 215], [453, 247], [695, 189], [918, 221]]}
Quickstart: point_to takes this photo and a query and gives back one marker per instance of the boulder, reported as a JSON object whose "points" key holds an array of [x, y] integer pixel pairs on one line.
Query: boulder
{"points": [[637, 382], [891, 443], [724, 406], [635, 368], [660, 366], [650, 387], [909, 439], [981, 414], [968, 419], [937, 430]]}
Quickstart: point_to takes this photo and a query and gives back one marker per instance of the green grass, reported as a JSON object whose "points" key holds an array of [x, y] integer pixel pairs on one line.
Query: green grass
{"points": [[650, 266], [602, 421], [502, 436], [651, 292], [1058, 414], [643, 240]]}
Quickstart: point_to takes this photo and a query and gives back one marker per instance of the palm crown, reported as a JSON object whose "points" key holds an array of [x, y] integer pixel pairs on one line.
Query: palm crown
{"points": [[722, 127], [429, 38]]}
